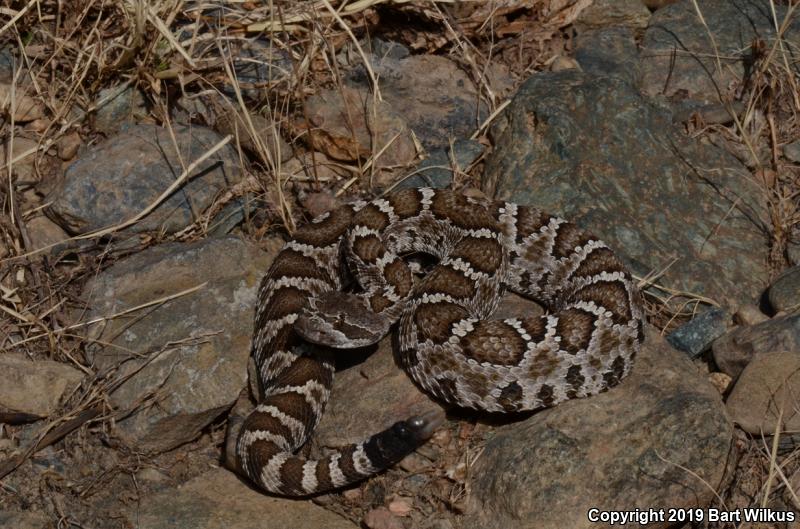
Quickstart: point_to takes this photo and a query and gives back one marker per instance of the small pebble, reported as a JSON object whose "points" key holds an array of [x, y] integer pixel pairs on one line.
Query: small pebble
{"points": [[440, 523], [784, 293], [8, 445], [26, 108], [401, 506], [318, 203], [414, 463], [564, 63], [441, 437], [721, 381], [151, 475], [465, 431], [38, 125], [68, 146]]}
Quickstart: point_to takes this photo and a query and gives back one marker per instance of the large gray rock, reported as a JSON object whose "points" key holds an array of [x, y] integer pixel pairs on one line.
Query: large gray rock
{"points": [[118, 107], [117, 179], [219, 500], [608, 51], [187, 357], [630, 446], [593, 149], [678, 55]]}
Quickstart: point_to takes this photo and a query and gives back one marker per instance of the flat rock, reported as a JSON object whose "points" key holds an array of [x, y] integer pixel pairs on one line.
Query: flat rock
{"points": [[117, 179], [628, 446], [792, 151], [25, 167], [678, 57], [257, 135], [220, 500], [784, 293], [766, 390], [369, 397], [34, 386], [737, 348], [258, 64], [593, 149], [195, 347]]}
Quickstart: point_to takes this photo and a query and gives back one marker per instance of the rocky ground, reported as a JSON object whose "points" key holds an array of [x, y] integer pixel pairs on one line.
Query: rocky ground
{"points": [[157, 156]]}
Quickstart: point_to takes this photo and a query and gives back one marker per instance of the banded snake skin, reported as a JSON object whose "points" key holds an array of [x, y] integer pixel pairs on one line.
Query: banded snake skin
{"points": [[585, 344]]}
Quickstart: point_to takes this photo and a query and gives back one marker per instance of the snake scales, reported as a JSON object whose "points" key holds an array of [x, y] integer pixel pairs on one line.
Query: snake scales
{"points": [[447, 345]]}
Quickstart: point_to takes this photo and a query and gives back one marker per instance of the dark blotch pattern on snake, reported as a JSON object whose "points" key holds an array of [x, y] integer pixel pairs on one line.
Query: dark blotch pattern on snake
{"points": [[584, 345]]}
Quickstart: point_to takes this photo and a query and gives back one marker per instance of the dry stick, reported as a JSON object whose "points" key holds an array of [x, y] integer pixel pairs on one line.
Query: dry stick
{"points": [[19, 15], [783, 477], [719, 224], [58, 432], [773, 455], [780, 30], [274, 163], [376, 91], [165, 32], [10, 145], [684, 293], [54, 435], [730, 110], [100, 319], [489, 120], [49, 143], [136, 218], [361, 5], [412, 173]]}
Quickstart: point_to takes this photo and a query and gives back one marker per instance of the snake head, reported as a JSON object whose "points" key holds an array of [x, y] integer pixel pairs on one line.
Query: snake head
{"points": [[341, 320]]}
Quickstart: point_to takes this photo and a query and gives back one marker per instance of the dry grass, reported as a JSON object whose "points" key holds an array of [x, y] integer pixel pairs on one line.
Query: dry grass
{"points": [[179, 53], [72, 58]]}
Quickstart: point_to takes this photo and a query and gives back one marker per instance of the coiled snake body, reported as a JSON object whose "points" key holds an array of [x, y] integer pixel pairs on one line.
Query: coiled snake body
{"points": [[447, 345]]}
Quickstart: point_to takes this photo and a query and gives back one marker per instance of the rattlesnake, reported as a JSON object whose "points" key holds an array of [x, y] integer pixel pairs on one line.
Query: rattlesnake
{"points": [[585, 345]]}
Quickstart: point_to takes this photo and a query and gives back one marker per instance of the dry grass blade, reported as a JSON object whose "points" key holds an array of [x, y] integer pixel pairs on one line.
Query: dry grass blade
{"points": [[56, 433], [373, 78], [144, 212], [17, 16], [102, 319]]}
